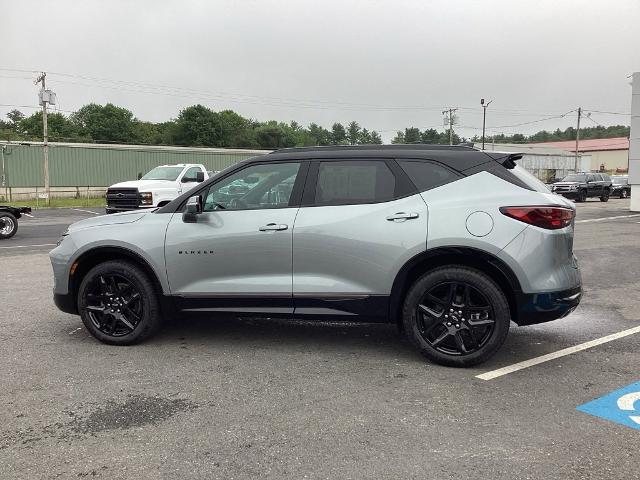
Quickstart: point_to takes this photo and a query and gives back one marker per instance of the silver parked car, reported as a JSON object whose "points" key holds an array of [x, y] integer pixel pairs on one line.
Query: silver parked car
{"points": [[451, 243]]}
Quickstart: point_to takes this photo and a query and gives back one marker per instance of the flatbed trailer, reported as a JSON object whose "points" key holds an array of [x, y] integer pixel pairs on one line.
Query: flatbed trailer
{"points": [[9, 220]]}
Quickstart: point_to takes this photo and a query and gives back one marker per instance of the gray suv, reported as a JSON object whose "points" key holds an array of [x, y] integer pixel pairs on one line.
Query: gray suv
{"points": [[450, 243]]}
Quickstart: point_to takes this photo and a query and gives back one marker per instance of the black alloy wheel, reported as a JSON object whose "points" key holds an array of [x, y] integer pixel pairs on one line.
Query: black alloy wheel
{"points": [[118, 303], [455, 318], [114, 304]]}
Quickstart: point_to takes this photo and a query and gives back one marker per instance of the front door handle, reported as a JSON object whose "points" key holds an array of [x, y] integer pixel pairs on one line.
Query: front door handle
{"points": [[402, 216], [273, 226]]}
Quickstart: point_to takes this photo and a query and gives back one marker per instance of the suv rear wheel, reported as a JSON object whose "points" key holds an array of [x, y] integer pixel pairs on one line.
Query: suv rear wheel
{"points": [[456, 316], [118, 303], [605, 196]]}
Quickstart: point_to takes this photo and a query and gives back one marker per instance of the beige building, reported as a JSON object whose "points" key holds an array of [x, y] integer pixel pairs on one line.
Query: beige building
{"points": [[607, 154]]}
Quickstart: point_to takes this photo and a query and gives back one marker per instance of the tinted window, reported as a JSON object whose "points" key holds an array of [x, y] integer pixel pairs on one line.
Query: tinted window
{"points": [[254, 187], [591, 178], [598, 177], [354, 182], [575, 178], [427, 175]]}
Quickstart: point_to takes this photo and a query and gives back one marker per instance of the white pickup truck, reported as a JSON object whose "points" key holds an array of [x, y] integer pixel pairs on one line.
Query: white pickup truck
{"points": [[156, 188]]}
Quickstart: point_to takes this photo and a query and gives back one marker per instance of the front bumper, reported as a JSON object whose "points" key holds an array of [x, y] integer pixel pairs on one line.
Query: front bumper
{"points": [[535, 308], [572, 194], [127, 209], [65, 302]]}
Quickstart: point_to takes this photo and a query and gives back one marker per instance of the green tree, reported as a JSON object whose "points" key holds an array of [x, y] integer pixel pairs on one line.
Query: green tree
{"points": [[353, 132], [106, 123], [273, 135], [338, 134], [318, 135], [15, 117], [60, 128], [376, 139], [399, 138], [412, 135], [197, 126]]}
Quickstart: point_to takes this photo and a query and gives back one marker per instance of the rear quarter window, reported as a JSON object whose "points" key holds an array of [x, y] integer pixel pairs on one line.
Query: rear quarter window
{"points": [[427, 175], [529, 179]]}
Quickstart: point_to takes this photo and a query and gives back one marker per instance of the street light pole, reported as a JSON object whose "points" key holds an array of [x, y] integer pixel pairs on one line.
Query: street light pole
{"points": [[484, 117], [45, 145]]}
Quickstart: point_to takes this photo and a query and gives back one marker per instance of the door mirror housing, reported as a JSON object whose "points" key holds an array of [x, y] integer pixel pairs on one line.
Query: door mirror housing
{"points": [[192, 209], [200, 176]]}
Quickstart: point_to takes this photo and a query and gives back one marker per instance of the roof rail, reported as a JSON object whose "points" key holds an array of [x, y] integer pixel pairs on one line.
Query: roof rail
{"points": [[408, 146]]}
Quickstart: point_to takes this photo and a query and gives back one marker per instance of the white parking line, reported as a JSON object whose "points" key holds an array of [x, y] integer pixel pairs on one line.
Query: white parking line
{"points": [[28, 246], [552, 356], [608, 218], [86, 211]]}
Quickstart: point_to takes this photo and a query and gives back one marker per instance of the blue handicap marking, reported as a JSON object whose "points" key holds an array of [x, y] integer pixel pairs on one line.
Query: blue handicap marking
{"points": [[621, 406]]}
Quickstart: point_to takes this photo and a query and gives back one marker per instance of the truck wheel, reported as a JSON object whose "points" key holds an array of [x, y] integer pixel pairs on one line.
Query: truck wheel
{"points": [[456, 316], [8, 225], [605, 196], [582, 196], [118, 303]]}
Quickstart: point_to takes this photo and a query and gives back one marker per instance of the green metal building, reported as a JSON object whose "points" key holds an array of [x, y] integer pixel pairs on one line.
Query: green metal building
{"points": [[100, 165]]}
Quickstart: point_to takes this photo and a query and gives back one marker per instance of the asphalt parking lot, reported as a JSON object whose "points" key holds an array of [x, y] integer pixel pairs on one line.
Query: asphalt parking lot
{"points": [[271, 399]]}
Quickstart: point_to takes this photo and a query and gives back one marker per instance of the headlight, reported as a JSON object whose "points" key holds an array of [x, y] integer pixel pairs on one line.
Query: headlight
{"points": [[146, 198]]}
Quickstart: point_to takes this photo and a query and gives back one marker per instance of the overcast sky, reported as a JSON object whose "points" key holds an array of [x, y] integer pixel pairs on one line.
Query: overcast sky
{"points": [[387, 64]]}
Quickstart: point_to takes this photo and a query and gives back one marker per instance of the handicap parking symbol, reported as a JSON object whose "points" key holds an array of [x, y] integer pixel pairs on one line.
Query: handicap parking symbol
{"points": [[621, 406]]}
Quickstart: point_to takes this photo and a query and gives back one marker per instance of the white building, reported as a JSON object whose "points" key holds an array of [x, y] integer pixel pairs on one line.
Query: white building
{"points": [[546, 163]]}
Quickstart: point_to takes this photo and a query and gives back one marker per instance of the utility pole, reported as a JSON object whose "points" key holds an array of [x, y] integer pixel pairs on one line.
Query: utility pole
{"points": [[45, 149], [578, 137], [450, 118], [484, 117]]}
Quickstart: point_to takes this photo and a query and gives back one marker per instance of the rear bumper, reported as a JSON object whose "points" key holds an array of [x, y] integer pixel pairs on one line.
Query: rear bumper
{"points": [[544, 307], [65, 303]]}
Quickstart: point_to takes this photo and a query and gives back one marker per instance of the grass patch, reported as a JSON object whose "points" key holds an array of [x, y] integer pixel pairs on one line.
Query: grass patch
{"points": [[58, 202]]}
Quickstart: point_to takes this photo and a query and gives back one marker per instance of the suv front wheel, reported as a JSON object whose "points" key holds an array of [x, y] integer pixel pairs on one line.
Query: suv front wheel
{"points": [[118, 303], [456, 316]]}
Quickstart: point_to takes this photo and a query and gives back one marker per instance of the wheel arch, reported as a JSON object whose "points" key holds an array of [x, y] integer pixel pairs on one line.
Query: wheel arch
{"points": [[483, 261], [89, 259]]}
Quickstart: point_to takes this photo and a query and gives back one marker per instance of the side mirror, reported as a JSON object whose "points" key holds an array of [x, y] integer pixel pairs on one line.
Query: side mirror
{"points": [[186, 179], [139, 175], [200, 176], [192, 209]]}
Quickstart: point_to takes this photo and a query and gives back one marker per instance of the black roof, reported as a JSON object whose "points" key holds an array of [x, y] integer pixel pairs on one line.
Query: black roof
{"points": [[459, 157]]}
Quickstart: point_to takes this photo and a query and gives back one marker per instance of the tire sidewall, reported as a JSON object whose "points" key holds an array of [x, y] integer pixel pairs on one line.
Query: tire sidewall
{"points": [[150, 312], [479, 281], [15, 225]]}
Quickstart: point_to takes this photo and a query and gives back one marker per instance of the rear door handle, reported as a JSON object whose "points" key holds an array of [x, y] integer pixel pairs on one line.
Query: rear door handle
{"points": [[273, 226], [402, 216]]}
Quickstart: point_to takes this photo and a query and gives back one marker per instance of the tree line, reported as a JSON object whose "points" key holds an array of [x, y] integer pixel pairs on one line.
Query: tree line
{"points": [[200, 126], [197, 126]]}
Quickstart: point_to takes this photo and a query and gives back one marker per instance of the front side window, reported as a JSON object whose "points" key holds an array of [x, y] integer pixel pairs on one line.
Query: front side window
{"points": [[254, 187], [191, 175], [591, 178], [353, 182]]}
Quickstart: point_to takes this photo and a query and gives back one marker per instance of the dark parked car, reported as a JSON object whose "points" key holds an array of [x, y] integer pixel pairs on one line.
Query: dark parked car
{"points": [[620, 187], [580, 186]]}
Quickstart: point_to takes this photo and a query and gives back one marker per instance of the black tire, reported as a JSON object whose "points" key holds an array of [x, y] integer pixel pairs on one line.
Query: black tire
{"points": [[491, 335], [624, 193], [605, 196], [8, 225], [582, 196], [105, 287]]}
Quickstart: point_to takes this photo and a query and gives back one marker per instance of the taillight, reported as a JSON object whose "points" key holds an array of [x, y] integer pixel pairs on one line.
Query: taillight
{"points": [[551, 218]]}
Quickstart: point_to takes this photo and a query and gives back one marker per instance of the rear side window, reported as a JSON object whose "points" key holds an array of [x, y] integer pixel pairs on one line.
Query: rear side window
{"points": [[427, 175], [354, 182]]}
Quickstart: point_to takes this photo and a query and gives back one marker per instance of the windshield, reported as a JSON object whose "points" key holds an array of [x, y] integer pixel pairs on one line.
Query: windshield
{"points": [[619, 180], [574, 178], [163, 173]]}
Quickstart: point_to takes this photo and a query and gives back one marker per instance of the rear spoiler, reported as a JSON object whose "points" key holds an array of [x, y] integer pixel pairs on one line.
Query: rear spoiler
{"points": [[507, 160]]}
